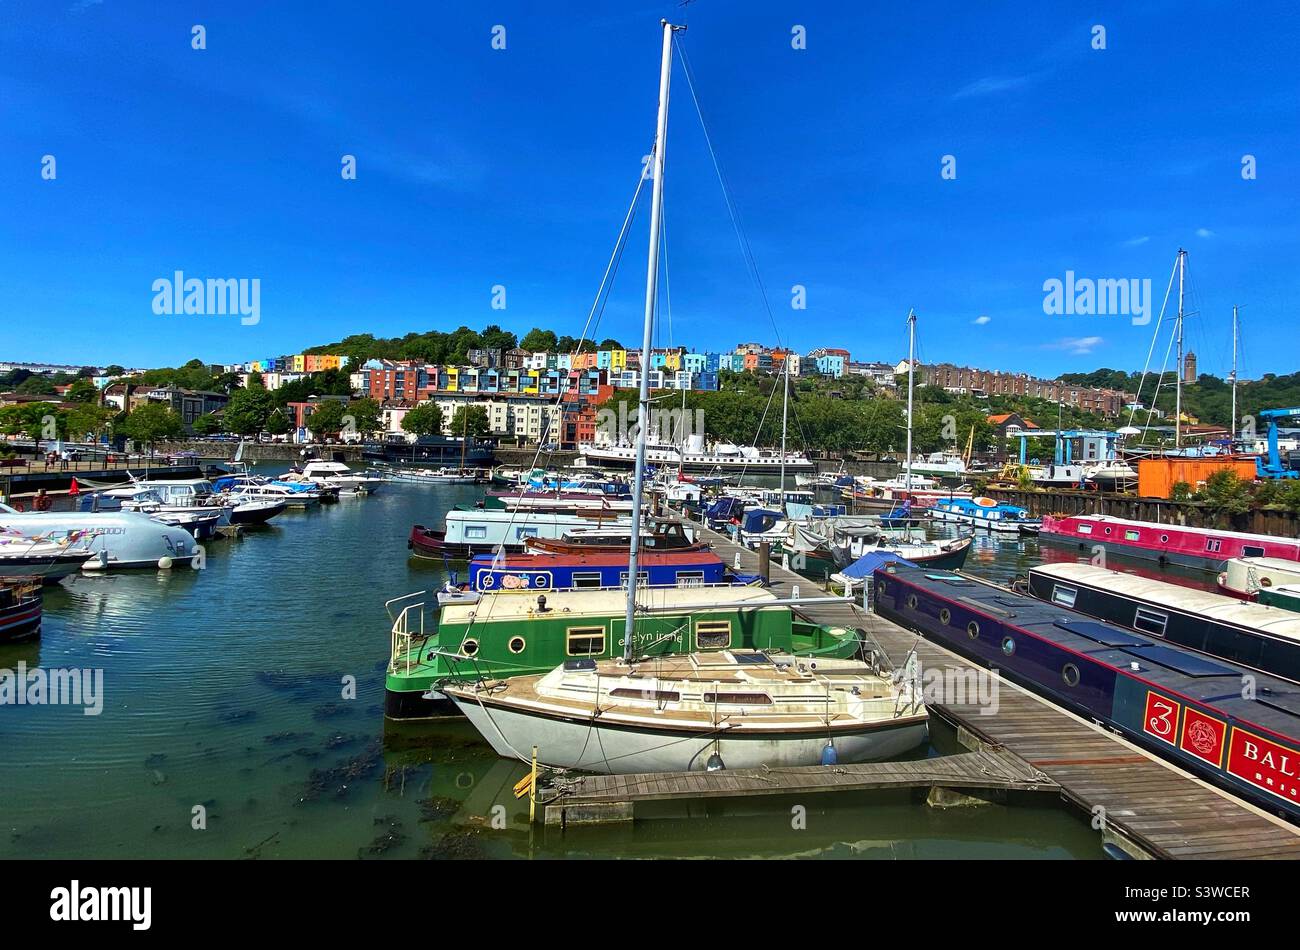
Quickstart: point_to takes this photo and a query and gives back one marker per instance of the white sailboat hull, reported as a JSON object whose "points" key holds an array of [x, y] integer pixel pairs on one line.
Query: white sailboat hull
{"points": [[576, 744]]}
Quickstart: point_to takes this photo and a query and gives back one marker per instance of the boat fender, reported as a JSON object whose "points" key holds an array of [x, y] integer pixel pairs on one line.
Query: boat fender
{"points": [[1223, 579], [164, 563], [829, 755]]}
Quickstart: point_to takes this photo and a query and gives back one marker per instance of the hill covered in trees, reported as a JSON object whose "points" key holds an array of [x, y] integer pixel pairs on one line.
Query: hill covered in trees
{"points": [[1209, 399]]}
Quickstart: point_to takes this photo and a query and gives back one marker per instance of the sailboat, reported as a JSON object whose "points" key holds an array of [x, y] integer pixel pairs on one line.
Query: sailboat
{"points": [[722, 704]]}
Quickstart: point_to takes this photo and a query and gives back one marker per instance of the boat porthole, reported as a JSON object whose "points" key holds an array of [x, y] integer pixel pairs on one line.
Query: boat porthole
{"points": [[973, 630], [945, 616], [1164, 539], [516, 644], [1070, 674], [1008, 645], [911, 601], [1108, 530], [469, 647]]}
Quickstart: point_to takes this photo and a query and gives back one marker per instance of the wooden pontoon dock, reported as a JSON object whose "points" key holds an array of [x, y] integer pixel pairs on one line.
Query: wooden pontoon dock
{"points": [[1140, 803]]}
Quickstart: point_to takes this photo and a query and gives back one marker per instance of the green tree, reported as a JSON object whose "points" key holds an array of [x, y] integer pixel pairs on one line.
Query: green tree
{"points": [[277, 423], [152, 422], [1225, 495], [36, 386], [248, 410], [206, 424], [88, 420], [539, 340], [326, 418], [423, 419], [365, 416], [83, 390], [471, 421]]}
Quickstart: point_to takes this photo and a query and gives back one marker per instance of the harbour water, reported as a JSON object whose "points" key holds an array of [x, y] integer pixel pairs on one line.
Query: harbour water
{"points": [[228, 688]]}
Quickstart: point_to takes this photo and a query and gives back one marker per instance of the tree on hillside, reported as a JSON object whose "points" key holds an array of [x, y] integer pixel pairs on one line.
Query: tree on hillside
{"points": [[277, 423], [539, 340], [206, 424], [36, 386]]}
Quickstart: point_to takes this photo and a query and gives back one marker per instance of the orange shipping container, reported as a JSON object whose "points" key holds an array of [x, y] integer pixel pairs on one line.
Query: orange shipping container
{"points": [[1157, 477]]}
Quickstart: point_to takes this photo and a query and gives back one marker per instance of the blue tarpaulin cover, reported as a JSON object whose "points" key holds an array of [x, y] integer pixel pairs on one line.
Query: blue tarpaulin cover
{"points": [[868, 563]]}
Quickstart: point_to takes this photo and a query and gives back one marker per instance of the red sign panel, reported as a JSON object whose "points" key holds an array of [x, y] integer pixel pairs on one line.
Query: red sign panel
{"points": [[1264, 764], [1161, 717], [1203, 736]]}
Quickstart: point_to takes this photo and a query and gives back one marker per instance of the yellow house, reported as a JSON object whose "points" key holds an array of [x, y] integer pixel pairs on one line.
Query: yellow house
{"points": [[673, 360], [298, 363], [618, 359], [453, 379], [531, 381]]}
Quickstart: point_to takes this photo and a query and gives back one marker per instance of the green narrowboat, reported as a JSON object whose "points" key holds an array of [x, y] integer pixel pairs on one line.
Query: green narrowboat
{"points": [[515, 634]]}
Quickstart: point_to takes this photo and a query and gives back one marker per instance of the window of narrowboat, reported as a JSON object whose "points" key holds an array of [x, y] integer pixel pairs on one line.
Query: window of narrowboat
{"points": [[1085, 529], [690, 578], [1214, 545], [586, 580], [1252, 551], [525, 532], [945, 616], [475, 531], [516, 644], [712, 634], [642, 579], [469, 647], [1132, 534], [1150, 621], [1008, 645], [585, 641], [741, 699], [973, 630], [1070, 674], [1065, 596]]}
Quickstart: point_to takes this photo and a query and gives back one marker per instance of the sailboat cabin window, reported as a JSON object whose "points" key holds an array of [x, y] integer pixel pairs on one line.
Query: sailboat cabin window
{"points": [[713, 634], [1150, 621], [585, 641], [690, 578], [1065, 596], [586, 580]]}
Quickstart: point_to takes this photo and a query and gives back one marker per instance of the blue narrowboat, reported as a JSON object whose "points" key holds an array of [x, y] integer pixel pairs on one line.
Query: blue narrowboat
{"points": [[597, 570], [1231, 725]]}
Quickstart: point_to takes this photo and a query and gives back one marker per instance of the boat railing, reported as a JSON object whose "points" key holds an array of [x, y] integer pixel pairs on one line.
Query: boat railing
{"points": [[404, 630]]}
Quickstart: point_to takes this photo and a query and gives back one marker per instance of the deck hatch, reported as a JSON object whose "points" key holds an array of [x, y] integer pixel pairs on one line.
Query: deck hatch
{"points": [[1100, 633], [1180, 662]]}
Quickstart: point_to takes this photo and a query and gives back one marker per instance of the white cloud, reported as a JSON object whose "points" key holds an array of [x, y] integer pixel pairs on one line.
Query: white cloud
{"points": [[1137, 241], [1076, 345], [992, 85], [1204, 232], [981, 320]]}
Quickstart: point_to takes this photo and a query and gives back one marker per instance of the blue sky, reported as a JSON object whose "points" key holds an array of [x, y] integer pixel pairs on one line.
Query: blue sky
{"points": [[478, 167]]}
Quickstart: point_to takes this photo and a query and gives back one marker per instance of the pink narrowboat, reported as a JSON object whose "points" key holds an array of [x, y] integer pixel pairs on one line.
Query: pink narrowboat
{"points": [[1203, 548]]}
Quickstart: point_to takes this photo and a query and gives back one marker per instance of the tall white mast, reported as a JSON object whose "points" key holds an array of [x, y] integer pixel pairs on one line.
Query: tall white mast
{"points": [[1233, 430], [1178, 396], [911, 376], [651, 291], [785, 405]]}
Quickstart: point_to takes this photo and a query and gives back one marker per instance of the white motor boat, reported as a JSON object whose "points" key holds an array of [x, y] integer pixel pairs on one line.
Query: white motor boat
{"points": [[334, 475], [123, 539], [49, 560]]}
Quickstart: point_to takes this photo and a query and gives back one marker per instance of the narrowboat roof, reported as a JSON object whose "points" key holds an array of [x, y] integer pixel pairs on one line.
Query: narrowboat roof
{"points": [[1204, 679], [1181, 529], [606, 603], [684, 558], [1268, 563], [1230, 610]]}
